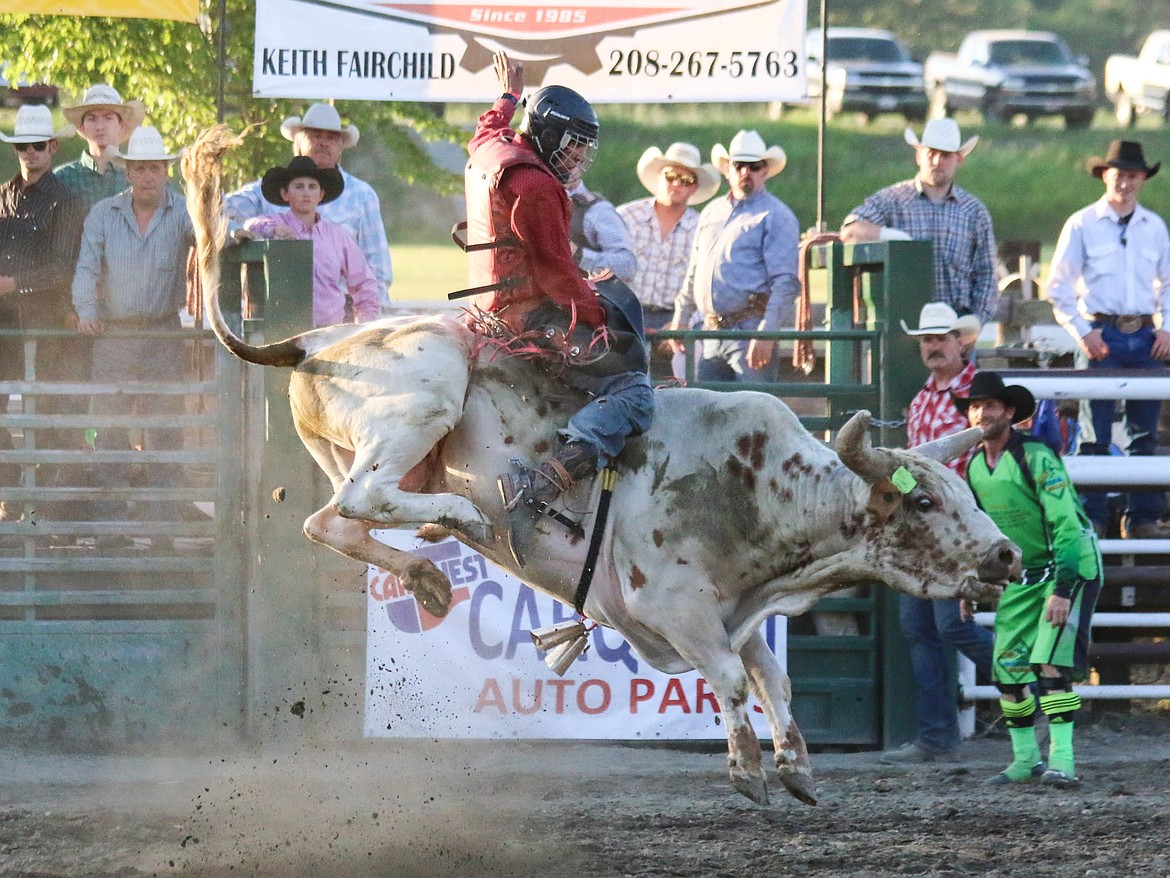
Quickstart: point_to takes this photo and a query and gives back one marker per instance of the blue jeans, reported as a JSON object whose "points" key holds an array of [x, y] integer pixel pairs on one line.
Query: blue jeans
{"points": [[933, 627], [726, 360], [622, 404], [1126, 351]]}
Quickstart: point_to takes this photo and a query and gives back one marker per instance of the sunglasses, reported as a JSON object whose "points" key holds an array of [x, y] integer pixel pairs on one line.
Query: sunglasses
{"points": [[750, 166], [681, 179], [39, 146]]}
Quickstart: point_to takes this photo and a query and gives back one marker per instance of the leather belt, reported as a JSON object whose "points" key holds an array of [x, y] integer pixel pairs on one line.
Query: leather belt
{"points": [[1127, 323], [756, 306]]}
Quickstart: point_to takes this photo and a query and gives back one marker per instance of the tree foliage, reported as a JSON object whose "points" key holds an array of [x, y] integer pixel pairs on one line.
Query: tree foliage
{"points": [[173, 67]]}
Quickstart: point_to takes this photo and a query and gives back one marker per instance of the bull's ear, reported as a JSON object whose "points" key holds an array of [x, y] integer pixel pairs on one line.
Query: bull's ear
{"points": [[948, 448], [855, 452], [884, 500]]}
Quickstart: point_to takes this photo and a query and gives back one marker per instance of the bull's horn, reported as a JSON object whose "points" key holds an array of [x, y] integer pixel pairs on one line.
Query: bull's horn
{"points": [[947, 448], [855, 452]]}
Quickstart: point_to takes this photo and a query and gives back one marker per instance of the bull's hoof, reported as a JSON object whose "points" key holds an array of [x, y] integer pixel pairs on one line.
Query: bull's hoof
{"points": [[476, 532], [752, 785], [799, 784], [430, 588]]}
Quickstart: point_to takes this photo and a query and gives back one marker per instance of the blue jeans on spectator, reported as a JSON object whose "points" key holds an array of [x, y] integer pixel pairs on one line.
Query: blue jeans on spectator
{"points": [[726, 359], [933, 627], [1127, 350]]}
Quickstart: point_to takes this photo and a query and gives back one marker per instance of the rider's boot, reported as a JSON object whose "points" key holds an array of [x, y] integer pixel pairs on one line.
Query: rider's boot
{"points": [[528, 492]]}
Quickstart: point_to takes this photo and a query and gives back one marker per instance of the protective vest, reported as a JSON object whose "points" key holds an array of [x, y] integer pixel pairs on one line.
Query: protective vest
{"points": [[488, 222]]}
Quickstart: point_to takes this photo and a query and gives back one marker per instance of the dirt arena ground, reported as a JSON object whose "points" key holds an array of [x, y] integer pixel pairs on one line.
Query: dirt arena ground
{"points": [[559, 810]]}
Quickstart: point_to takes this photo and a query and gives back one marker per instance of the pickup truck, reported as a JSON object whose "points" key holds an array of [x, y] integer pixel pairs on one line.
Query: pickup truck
{"points": [[1003, 73], [867, 72], [1139, 86]]}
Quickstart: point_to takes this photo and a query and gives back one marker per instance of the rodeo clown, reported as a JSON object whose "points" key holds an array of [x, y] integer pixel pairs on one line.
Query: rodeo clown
{"points": [[530, 289], [1042, 622]]}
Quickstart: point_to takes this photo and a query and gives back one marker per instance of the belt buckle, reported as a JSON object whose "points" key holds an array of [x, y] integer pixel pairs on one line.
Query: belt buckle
{"points": [[1129, 323]]}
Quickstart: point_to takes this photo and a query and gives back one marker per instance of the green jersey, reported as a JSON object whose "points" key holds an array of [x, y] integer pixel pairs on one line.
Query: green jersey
{"points": [[1041, 515]]}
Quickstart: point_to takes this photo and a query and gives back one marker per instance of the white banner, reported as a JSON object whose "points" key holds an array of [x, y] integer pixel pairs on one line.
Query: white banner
{"points": [[608, 50], [476, 674]]}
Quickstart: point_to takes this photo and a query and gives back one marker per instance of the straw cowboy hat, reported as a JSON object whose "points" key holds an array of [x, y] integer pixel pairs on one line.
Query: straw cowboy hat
{"points": [[324, 118], [104, 97], [275, 179], [146, 145], [939, 318], [1125, 155], [748, 146], [989, 385], [943, 135], [34, 123], [683, 155]]}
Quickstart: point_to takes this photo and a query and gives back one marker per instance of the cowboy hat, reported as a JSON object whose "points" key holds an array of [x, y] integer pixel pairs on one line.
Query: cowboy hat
{"points": [[1126, 155], [323, 117], [278, 178], [748, 146], [989, 385], [104, 97], [34, 123], [146, 145], [682, 155], [943, 135], [939, 318]]}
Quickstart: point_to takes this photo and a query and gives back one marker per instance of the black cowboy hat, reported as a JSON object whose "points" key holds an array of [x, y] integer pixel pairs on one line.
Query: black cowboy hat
{"points": [[1126, 155], [278, 178], [989, 385]]}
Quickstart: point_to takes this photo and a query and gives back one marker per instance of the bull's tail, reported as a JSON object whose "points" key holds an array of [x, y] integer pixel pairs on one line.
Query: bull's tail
{"points": [[202, 165]]}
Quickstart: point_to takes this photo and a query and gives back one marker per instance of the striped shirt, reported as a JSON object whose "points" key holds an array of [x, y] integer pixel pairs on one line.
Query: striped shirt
{"points": [[603, 242], [662, 262], [933, 415], [357, 208], [959, 226], [123, 273], [83, 180]]}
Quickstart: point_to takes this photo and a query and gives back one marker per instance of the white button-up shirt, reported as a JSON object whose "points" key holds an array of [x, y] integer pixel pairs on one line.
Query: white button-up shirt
{"points": [[1094, 272]]}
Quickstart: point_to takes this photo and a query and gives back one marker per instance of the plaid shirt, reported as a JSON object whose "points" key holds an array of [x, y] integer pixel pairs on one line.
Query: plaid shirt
{"points": [[959, 226], [933, 415], [83, 180], [662, 262]]}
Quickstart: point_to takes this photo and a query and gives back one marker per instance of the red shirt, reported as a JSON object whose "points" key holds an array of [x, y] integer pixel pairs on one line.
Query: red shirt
{"points": [[540, 215], [933, 415]]}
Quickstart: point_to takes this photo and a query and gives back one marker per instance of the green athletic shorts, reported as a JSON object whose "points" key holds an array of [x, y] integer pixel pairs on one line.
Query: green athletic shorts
{"points": [[1023, 638]]}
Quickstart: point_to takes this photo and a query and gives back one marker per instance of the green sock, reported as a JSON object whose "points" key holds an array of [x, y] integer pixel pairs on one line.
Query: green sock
{"points": [[1061, 707], [1020, 718]]}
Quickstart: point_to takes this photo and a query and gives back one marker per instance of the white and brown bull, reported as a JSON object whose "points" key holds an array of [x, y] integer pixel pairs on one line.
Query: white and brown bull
{"points": [[725, 512]]}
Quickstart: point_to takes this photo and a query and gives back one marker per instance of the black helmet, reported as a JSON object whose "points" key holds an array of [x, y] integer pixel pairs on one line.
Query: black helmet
{"points": [[557, 120]]}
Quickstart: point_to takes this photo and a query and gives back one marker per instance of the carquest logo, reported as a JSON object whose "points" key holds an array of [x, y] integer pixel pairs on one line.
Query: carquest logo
{"points": [[404, 612]]}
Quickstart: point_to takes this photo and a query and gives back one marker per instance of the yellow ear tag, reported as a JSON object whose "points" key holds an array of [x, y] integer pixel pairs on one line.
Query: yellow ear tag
{"points": [[903, 481]]}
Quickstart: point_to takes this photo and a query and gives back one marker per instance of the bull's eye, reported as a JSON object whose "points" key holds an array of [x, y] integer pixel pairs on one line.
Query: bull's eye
{"points": [[889, 496], [924, 503]]}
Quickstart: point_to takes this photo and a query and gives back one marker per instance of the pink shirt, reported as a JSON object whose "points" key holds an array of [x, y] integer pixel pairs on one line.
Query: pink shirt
{"points": [[338, 263], [933, 414]]}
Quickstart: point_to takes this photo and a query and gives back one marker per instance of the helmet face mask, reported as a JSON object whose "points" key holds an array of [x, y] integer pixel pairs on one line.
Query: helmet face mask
{"points": [[562, 127]]}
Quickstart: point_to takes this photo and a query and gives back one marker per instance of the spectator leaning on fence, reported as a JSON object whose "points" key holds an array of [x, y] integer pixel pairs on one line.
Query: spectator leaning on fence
{"points": [[40, 225], [931, 207], [1108, 287], [105, 122], [130, 276], [320, 135]]}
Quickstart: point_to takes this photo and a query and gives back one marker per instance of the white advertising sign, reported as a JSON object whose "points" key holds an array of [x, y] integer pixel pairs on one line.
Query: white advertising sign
{"points": [[476, 673], [608, 50]]}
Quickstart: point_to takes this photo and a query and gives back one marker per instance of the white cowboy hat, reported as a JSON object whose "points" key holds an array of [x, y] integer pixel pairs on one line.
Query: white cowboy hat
{"points": [[146, 145], [943, 135], [748, 146], [34, 123], [324, 118], [939, 318], [683, 155], [104, 97]]}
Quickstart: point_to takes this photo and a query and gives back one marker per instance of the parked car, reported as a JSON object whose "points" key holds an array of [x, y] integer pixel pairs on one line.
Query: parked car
{"points": [[1139, 86], [1003, 73], [24, 92], [868, 72]]}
